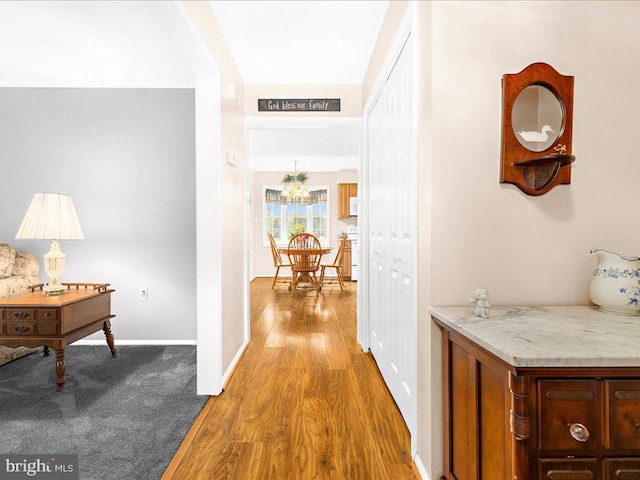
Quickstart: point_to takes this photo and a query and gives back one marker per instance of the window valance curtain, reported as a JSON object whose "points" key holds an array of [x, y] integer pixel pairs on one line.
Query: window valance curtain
{"points": [[315, 197]]}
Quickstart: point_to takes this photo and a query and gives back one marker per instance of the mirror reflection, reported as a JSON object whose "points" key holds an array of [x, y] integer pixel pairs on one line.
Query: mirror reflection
{"points": [[536, 118]]}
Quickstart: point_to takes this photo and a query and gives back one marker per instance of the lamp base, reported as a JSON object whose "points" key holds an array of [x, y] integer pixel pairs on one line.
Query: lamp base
{"points": [[54, 266], [54, 288]]}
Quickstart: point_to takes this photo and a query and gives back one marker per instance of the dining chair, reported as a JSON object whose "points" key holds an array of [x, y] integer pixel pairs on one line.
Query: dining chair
{"points": [[277, 259], [337, 264], [304, 253]]}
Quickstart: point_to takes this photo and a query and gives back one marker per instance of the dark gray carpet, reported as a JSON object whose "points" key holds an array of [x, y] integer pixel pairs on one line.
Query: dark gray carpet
{"points": [[124, 417]]}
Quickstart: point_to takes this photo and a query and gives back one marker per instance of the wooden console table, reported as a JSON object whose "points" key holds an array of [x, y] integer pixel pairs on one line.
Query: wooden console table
{"points": [[540, 393], [34, 319]]}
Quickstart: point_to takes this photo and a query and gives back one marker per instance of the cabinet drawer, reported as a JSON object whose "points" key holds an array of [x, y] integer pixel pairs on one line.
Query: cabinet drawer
{"points": [[48, 327], [622, 468], [47, 314], [623, 414], [22, 327], [19, 314], [567, 469], [570, 414]]}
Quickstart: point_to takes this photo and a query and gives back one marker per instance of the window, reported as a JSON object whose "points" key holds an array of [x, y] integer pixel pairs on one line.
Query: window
{"points": [[281, 218]]}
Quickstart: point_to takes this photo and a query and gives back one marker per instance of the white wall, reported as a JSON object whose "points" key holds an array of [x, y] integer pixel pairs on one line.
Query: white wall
{"points": [[232, 193], [531, 250], [476, 232], [347, 176], [127, 158]]}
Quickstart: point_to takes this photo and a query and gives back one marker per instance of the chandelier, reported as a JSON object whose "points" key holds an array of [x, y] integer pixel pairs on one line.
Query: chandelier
{"points": [[294, 184]]}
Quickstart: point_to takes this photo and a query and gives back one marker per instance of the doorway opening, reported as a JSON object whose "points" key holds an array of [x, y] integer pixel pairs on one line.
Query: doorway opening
{"points": [[328, 151]]}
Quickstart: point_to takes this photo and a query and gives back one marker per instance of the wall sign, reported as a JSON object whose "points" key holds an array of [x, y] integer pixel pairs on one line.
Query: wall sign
{"points": [[298, 105]]}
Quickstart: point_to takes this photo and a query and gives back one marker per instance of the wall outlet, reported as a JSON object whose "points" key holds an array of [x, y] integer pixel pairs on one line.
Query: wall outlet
{"points": [[143, 293]]}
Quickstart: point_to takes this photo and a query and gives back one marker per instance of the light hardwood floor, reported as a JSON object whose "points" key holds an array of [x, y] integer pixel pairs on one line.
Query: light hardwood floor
{"points": [[303, 403]]}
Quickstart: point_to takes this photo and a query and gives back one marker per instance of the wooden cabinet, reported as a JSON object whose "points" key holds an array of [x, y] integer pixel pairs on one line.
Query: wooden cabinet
{"points": [[345, 192], [475, 395], [34, 320], [536, 423], [346, 261]]}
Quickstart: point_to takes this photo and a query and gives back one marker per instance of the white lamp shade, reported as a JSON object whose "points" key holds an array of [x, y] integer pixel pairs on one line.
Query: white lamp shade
{"points": [[51, 216]]}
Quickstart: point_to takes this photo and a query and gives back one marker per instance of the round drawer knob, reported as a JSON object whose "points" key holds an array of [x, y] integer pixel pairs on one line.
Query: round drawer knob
{"points": [[579, 432]]}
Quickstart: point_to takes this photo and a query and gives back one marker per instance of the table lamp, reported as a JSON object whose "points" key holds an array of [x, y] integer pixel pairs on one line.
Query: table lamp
{"points": [[51, 216]]}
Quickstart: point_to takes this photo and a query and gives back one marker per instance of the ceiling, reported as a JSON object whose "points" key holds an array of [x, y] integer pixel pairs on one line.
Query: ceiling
{"points": [[307, 43], [301, 42], [146, 44], [93, 43], [104, 42]]}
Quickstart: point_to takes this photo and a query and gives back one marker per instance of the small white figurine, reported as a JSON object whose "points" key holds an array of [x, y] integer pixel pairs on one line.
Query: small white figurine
{"points": [[535, 136], [481, 302]]}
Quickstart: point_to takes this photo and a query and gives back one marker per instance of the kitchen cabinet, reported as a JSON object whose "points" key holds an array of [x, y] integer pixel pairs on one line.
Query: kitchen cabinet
{"points": [[346, 261], [346, 191], [540, 393]]}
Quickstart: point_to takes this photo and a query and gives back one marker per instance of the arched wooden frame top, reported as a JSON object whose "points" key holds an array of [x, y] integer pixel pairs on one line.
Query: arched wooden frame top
{"points": [[536, 172]]}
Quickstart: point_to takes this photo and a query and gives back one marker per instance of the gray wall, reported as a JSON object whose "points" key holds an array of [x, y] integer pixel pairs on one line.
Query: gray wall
{"points": [[127, 158]]}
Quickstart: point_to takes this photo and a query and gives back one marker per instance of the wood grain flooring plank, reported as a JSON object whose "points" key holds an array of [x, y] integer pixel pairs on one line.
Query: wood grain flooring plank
{"points": [[319, 426], [316, 378], [359, 449], [304, 401], [386, 423], [337, 351]]}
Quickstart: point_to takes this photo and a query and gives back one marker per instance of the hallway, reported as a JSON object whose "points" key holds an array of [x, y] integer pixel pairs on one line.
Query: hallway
{"points": [[303, 403]]}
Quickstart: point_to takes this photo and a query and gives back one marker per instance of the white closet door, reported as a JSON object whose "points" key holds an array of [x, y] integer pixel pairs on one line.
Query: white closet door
{"points": [[391, 228]]}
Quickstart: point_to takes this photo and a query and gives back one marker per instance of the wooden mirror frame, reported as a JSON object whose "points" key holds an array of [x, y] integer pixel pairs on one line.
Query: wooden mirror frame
{"points": [[535, 173]]}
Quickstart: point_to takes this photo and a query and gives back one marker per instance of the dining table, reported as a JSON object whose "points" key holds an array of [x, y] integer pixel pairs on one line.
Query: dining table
{"points": [[305, 278]]}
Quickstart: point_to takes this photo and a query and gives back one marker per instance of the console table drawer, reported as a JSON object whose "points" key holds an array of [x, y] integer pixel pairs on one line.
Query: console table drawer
{"points": [[22, 327], [48, 327], [622, 468], [623, 410], [19, 314], [570, 414], [568, 469], [47, 314]]}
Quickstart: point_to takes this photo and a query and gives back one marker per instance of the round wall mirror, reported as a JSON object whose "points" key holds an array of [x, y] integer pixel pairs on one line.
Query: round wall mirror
{"points": [[536, 118]]}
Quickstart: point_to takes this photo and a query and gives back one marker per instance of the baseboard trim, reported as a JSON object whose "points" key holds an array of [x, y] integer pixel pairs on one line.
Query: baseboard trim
{"points": [[234, 363], [420, 466], [137, 342]]}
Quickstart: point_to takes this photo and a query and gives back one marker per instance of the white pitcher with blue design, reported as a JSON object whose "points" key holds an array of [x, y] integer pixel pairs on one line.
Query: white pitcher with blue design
{"points": [[615, 286]]}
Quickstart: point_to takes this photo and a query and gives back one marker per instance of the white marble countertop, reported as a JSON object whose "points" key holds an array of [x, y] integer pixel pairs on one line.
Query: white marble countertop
{"points": [[550, 336]]}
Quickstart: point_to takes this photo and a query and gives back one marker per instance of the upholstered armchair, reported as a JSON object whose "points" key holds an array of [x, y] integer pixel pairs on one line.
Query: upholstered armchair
{"points": [[18, 271]]}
